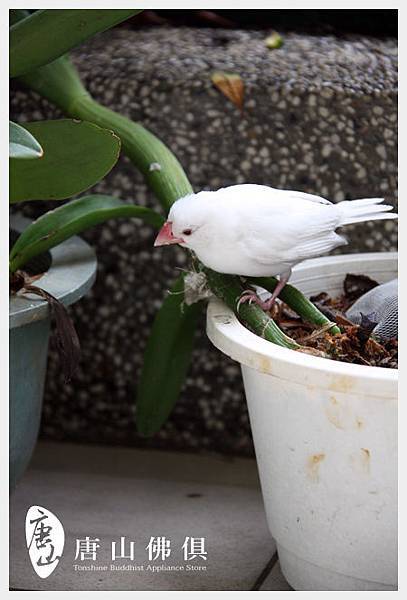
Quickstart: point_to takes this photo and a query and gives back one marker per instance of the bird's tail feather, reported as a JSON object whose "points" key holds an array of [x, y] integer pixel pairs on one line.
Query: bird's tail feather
{"points": [[368, 209]]}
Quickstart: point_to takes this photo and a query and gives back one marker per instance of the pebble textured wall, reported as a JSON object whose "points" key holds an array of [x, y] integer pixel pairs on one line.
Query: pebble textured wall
{"points": [[320, 116]]}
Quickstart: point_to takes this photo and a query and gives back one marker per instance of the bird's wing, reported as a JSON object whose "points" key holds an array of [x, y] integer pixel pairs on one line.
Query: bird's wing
{"points": [[250, 191], [292, 195], [286, 230]]}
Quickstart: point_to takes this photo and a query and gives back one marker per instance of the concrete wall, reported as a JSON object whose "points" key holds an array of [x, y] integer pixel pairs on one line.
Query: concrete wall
{"points": [[320, 116]]}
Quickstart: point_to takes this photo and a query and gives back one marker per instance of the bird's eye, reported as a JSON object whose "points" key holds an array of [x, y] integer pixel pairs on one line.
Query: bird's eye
{"points": [[187, 232]]}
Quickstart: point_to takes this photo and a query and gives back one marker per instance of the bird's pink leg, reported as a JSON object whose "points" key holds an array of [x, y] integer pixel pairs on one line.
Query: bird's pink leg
{"points": [[267, 305], [251, 296]]}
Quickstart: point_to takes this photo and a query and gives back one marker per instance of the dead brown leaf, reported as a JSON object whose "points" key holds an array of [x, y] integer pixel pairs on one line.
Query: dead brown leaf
{"points": [[231, 85], [66, 338], [357, 285]]}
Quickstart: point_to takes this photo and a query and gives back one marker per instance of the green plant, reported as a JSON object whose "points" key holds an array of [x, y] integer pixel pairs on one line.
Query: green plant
{"points": [[55, 160], [168, 352], [22, 144], [75, 155]]}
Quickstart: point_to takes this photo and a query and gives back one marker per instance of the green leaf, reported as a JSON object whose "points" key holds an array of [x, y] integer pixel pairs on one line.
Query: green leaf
{"points": [[76, 156], [47, 34], [22, 144], [166, 359], [17, 14], [57, 225]]}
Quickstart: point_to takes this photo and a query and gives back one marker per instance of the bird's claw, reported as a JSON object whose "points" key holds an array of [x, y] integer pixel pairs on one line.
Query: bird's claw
{"points": [[249, 296], [244, 297]]}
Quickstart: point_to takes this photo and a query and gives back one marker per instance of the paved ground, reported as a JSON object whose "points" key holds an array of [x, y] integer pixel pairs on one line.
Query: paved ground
{"points": [[107, 493]]}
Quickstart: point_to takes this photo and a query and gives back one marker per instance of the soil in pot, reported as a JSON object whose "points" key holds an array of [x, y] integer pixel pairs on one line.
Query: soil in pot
{"points": [[355, 344]]}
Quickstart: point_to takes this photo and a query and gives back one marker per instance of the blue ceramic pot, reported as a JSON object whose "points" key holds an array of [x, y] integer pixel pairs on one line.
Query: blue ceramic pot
{"points": [[70, 276]]}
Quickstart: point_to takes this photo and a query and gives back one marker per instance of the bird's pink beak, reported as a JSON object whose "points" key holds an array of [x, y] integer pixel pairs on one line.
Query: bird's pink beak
{"points": [[166, 237]]}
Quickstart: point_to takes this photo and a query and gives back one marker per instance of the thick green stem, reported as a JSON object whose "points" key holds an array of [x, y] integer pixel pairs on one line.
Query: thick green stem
{"points": [[229, 289], [297, 301], [60, 83], [161, 169]]}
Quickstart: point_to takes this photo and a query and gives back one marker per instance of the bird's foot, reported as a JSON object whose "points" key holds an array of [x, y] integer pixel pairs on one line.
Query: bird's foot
{"points": [[250, 296]]}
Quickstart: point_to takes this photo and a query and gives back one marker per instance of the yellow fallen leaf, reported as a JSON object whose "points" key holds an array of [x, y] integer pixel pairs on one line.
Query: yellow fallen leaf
{"points": [[231, 85]]}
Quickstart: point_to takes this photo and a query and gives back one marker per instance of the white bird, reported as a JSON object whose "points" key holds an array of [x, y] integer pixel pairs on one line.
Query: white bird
{"points": [[257, 231]]}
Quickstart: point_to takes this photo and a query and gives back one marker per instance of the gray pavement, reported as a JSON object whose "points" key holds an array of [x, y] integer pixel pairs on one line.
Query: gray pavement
{"points": [[108, 493]]}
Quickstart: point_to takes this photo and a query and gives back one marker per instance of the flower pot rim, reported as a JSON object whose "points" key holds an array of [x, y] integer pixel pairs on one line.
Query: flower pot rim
{"points": [[231, 337], [70, 276]]}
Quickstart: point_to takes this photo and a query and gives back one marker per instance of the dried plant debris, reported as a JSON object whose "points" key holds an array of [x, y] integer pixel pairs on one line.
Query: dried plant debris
{"points": [[66, 340], [356, 285], [355, 344], [231, 85]]}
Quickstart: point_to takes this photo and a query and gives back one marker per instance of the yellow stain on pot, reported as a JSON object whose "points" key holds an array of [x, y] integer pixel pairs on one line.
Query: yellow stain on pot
{"points": [[313, 466], [366, 455], [342, 383], [341, 415], [360, 461], [264, 364]]}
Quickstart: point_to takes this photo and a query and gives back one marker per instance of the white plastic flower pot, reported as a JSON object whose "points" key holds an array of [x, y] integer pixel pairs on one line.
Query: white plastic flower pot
{"points": [[325, 436]]}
